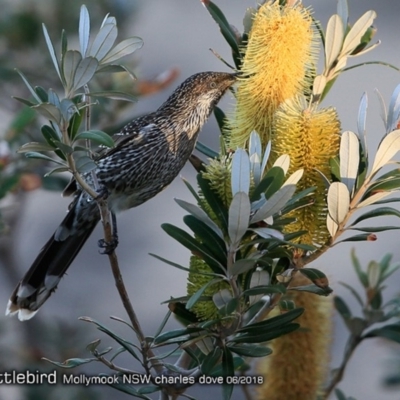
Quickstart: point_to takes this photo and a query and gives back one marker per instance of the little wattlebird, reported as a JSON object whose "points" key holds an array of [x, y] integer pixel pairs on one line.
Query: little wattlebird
{"points": [[148, 154]]}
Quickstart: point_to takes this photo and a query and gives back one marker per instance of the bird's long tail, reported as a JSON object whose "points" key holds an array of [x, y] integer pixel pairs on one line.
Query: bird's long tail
{"points": [[50, 265]]}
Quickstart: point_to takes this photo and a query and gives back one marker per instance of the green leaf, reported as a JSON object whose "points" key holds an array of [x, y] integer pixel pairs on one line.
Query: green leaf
{"points": [[56, 183], [266, 336], [221, 118], [228, 369], [223, 24], [196, 297], [242, 266], [375, 229], [239, 215], [213, 201], [208, 237], [71, 363], [251, 350], [28, 85], [201, 216], [338, 201], [115, 95], [71, 61], [52, 51], [391, 332], [319, 290], [194, 246], [240, 177], [49, 111], [335, 167], [99, 137], [263, 290], [84, 29], [378, 212], [111, 69], [35, 146], [271, 183], [211, 360], [41, 93], [103, 41], [84, 163], [24, 101], [390, 184], [84, 72], [176, 333], [40, 156], [342, 307], [359, 238], [122, 49], [275, 203]]}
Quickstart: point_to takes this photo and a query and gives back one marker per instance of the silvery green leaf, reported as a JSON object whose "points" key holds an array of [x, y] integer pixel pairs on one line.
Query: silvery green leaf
{"points": [[388, 148], [366, 50], [255, 166], [84, 72], [111, 68], [393, 114], [265, 157], [126, 47], [255, 144], [51, 51], [331, 225], [115, 96], [205, 345], [274, 204], [239, 214], [374, 198], [268, 233], [40, 156], [242, 266], [68, 109], [294, 178], [338, 201], [343, 12], [49, 111], [319, 85], [349, 159], [53, 98], [353, 38], [28, 85], [108, 20], [374, 274], [342, 61], [240, 178], [70, 64], [255, 205], [222, 298], [35, 146], [333, 40], [283, 162], [84, 29], [103, 41], [258, 278], [201, 215], [84, 164], [362, 121], [382, 108]]}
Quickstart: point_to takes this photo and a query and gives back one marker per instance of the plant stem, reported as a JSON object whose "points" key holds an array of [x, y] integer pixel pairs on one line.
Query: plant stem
{"points": [[351, 345]]}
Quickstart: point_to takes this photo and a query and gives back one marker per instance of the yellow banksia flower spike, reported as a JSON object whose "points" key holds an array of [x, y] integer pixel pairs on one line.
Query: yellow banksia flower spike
{"points": [[299, 364], [278, 60], [311, 137]]}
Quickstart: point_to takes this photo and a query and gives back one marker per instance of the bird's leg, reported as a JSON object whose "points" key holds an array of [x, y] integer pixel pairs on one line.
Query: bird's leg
{"points": [[109, 247]]}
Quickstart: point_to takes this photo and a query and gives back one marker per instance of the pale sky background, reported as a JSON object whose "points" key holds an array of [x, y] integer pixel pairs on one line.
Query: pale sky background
{"points": [[179, 33]]}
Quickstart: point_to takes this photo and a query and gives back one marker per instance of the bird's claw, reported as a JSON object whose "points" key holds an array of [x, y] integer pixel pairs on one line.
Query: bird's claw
{"points": [[102, 193], [108, 247]]}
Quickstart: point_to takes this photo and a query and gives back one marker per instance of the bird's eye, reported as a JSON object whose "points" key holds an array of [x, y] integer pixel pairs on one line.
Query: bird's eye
{"points": [[213, 85]]}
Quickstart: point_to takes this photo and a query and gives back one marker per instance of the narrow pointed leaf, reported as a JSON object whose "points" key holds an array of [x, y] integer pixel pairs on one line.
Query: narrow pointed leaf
{"points": [[378, 212], [28, 85], [242, 266], [240, 172], [49, 111], [353, 38], [319, 85], [196, 297], [343, 11], [388, 148], [373, 199], [265, 157], [393, 113], [115, 95], [294, 178], [239, 214], [96, 136], [349, 159], [70, 64], [84, 72], [84, 30], [268, 233], [338, 201], [122, 49], [35, 146], [251, 350], [283, 162], [333, 39], [104, 41], [275, 203], [201, 215], [51, 51]]}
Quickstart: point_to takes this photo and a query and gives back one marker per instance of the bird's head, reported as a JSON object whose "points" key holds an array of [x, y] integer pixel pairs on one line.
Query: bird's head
{"points": [[197, 95]]}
